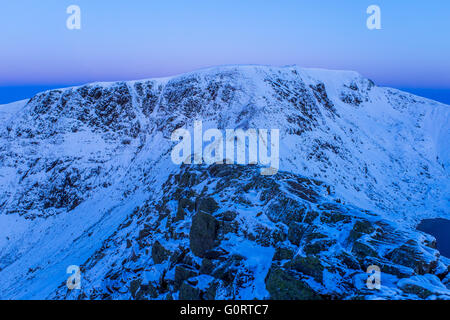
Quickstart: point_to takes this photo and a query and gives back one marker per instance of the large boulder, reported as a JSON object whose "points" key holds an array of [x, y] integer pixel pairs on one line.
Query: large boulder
{"points": [[283, 253], [296, 232], [409, 255], [189, 292], [284, 285], [203, 233], [310, 266], [363, 251], [361, 228], [159, 253], [208, 205], [183, 272]]}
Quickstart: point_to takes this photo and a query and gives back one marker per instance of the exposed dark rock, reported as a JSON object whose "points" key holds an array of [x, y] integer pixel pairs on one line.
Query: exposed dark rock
{"points": [[334, 217], [228, 215], [159, 253], [361, 228], [217, 207], [310, 266], [207, 266], [362, 250], [283, 253], [410, 256], [134, 287], [318, 246], [203, 233], [215, 254], [349, 261], [226, 272], [146, 291], [296, 232], [285, 209], [283, 285], [418, 290], [189, 292], [208, 205], [184, 272]]}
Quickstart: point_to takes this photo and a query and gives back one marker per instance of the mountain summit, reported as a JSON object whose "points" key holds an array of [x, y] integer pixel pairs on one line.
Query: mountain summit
{"points": [[87, 179]]}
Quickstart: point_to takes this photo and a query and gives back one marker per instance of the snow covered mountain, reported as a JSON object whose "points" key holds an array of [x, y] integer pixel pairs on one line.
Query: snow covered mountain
{"points": [[86, 178]]}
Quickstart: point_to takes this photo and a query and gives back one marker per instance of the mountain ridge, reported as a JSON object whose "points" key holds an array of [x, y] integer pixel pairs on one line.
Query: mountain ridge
{"points": [[68, 150]]}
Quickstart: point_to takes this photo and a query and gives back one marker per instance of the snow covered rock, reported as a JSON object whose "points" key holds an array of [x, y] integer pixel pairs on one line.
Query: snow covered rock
{"points": [[87, 179]]}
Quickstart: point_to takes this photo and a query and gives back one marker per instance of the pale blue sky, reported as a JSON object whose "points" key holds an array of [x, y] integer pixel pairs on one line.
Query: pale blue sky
{"points": [[122, 40]]}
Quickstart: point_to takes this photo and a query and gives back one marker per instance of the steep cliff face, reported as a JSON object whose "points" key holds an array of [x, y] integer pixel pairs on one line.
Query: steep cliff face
{"points": [[87, 179]]}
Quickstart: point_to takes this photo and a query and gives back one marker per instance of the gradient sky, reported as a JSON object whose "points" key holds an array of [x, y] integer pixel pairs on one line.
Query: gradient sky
{"points": [[135, 39]]}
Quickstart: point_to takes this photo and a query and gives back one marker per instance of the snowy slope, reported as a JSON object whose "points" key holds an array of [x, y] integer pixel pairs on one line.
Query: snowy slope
{"points": [[76, 163]]}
